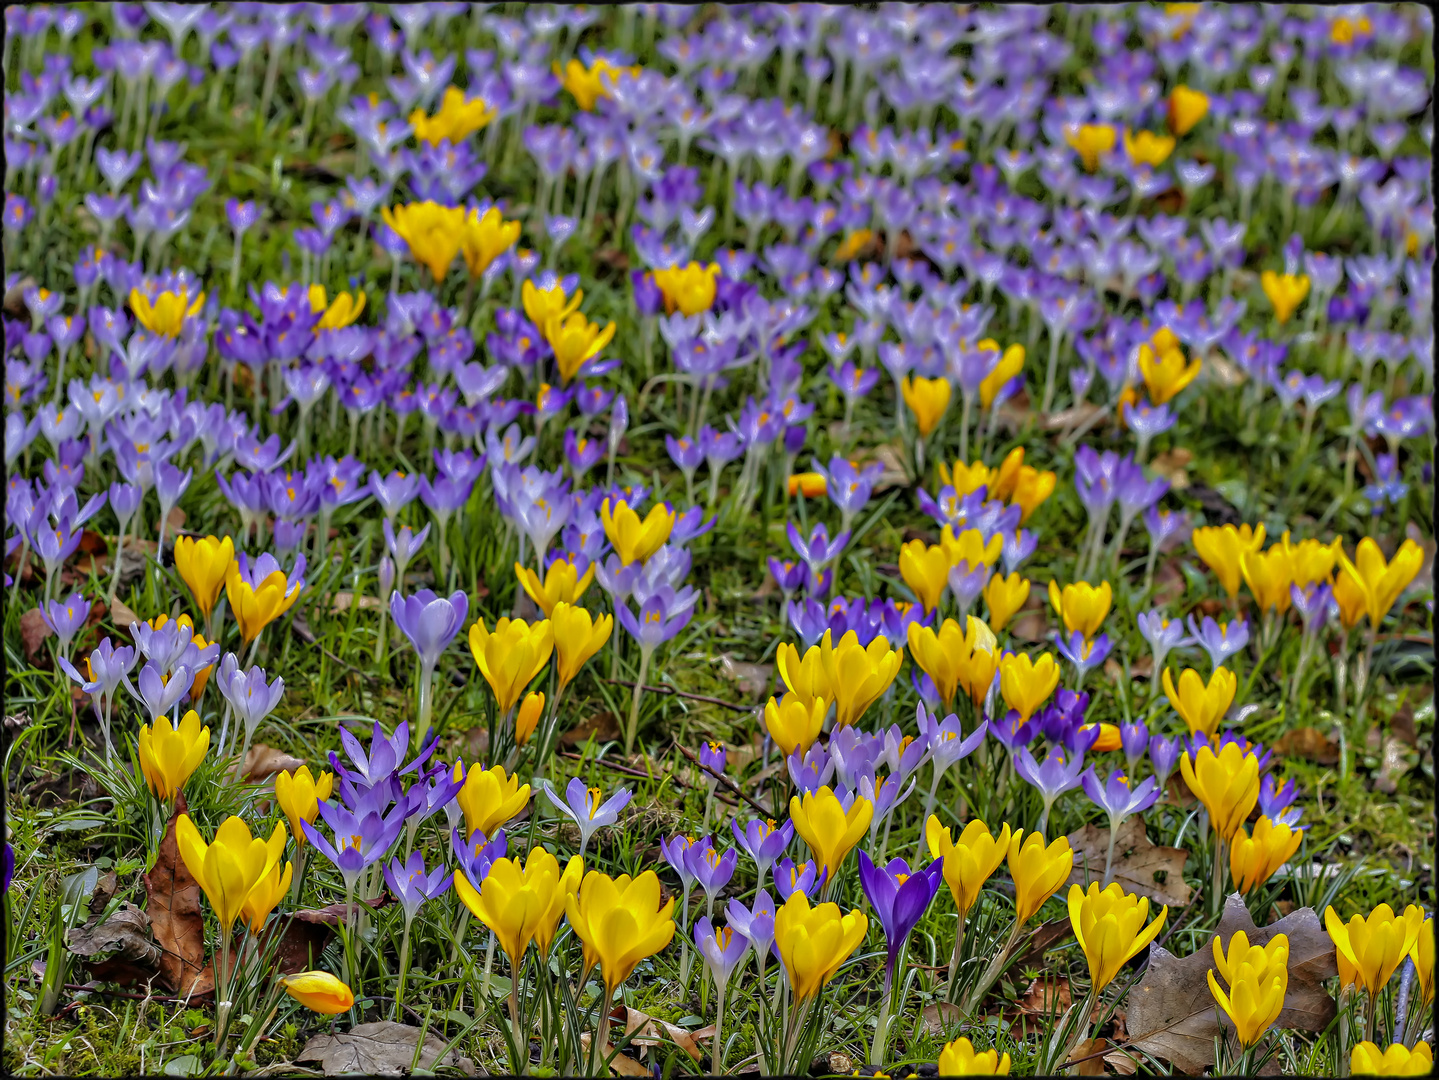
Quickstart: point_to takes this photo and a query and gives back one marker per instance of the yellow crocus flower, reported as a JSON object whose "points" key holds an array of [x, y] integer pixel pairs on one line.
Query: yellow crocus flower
{"points": [[1109, 925], [230, 867], [1167, 374], [1038, 871], [828, 828], [578, 637], [794, 723], [1081, 606], [1005, 596], [687, 289], [814, 941], [562, 582], [927, 399], [1258, 979], [203, 565], [166, 315], [512, 656], [1254, 859], [485, 238], [1227, 783], [1219, 546], [575, 342], [299, 795], [1285, 291], [1380, 582], [338, 313], [455, 120], [1201, 707], [1186, 108], [635, 540], [1026, 684], [925, 569], [1147, 148], [320, 992], [432, 232], [619, 921], [857, 675], [489, 798], [969, 861], [170, 755], [1090, 141]]}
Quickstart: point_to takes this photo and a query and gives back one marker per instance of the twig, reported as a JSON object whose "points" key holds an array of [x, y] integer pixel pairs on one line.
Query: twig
{"points": [[685, 694], [722, 778]]}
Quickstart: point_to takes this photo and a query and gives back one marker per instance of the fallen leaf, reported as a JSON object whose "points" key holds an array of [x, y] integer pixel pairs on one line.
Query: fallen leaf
{"points": [[263, 762], [1088, 1057], [343, 601], [307, 932], [602, 725], [104, 891], [941, 1018], [173, 904], [1046, 995], [118, 950], [620, 1064], [174, 521], [383, 1048], [1308, 743], [1143, 868], [33, 632], [895, 472], [1173, 465], [1040, 940], [1173, 1011], [122, 616], [647, 1031]]}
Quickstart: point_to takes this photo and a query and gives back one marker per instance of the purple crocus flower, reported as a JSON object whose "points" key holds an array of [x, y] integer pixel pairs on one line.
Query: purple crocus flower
{"points": [[676, 851], [157, 693], [1118, 800], [586, 807], [810, 619], [712, 757], [1011, 733], [360, 839], [661, 617], [788, 575], [1084, 655], [811, 770], [1059, 773], [477, 853], [430, 622], [756, 923], [411, 885], [65, 620], [1163, 756], [723, 950], [1163, 634], [1275, 800], [899, 897], [805, 878], [711, 870], [385, 756], [395, 491], [1219, 640], [1134, 741], [819, 550], [763, 842], [248, 694], [849, 487]]}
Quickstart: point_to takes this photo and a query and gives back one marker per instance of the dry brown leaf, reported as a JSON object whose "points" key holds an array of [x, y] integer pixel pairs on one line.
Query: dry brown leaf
{"points": [[620, 1064], [1308, 743], [33, 632], [173, 904], [1172, 1013], [122, 616], [753, 679], [941, 1017], [263, 762], [1173, 465], [383, 1048], [1143, 868], [602, 725], [118, 950], [174, 521], [647, 1031], [1088, 1057], [343, 601]]}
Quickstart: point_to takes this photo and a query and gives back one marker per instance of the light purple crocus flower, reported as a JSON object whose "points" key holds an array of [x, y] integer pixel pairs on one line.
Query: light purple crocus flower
{"points": [[158, 694], [1275, 800], [723, 950], [1219, 640], [1059, 773], [1134, 741], [1084, 655], [476, 854], [1162, 634], [812, 769], [249, 695], [819, 550], [1163, 756], [108, 666], [584, 806], [1118, 800], [65, 620], [712, 870], [806, 878], [756, 923], [411, 885], [385, 756], [676, 851], [360, 839], [660, 619], [430, 622], [763, 842]]}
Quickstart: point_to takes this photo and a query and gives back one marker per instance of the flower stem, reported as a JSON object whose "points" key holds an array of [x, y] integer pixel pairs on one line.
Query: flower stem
{"points": [[646, 651]]}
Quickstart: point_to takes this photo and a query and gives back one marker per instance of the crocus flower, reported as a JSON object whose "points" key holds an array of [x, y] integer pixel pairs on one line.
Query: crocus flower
{"points": [[522, 902], [1038, 871], [320, 992], [1061, 772], [489, 798], [360, 840], [586, 807], [261, 592], [1227, 783], [170, 755], [813, 942], [250, 696], [1370, 949], [1119, 800], [511, 656], [960, 1058], [1367, 1059], [65, 620], [229, 867], [1258, 979], [1109, 925], [620, 921], [807, 878], [1253, 859], [1162, 634], [756, 923], [763, 842], [711, 870], [299, 795], [577, 638], [900, 898], [1219, 640], [411, 885], [203, 565], [1085, 654], [830, 828], [1201, 707]]}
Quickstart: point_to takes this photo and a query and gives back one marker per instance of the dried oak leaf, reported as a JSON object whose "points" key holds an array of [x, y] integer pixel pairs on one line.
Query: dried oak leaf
{"points": [[1143, 868], [263, 762], [383, 1048], [118, 950], [1172, 1013], [647, 1031], [173, 904]]}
